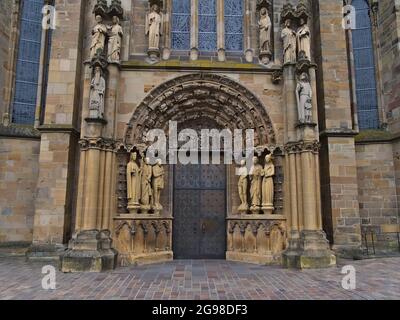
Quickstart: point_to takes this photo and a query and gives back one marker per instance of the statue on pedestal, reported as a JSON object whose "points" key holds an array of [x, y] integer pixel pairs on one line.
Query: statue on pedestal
{"points": [[255, 187], [158, 185], [242, 186], [98, 37], [147, 192], [265, 27], [115, 40], [304, 99], [288, 37], [268, 185], [96, 98], [154, 30], [303, 40], [133, 177]]}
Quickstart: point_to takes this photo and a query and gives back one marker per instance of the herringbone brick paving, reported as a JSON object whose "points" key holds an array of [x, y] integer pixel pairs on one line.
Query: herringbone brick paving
{"points": [[202, 280]]}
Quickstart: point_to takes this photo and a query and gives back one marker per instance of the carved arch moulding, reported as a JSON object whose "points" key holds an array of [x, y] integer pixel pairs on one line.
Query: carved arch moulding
{"points": [[201, 95]]}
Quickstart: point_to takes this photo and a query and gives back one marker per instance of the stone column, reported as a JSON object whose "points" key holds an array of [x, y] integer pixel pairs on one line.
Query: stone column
{"points": [[90, 248], [308, 246]]}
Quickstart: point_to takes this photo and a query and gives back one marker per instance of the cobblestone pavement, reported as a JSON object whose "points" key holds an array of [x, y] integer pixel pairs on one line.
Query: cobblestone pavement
{"points": [[376, 279]]}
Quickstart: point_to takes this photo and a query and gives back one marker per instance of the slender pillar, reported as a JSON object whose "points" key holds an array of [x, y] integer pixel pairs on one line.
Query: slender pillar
{"points": [[221, 30]]}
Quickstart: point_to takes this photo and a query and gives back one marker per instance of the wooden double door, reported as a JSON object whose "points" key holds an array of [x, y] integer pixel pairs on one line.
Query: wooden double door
{"points": [[199, 228]]}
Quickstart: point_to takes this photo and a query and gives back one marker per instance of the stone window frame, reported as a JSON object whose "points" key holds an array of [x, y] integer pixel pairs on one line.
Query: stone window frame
{"points": [[375, 40], [194, 52], [12, 65]]}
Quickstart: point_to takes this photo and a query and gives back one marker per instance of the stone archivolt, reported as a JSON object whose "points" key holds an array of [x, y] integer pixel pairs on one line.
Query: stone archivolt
{"points": [[201, 95]]}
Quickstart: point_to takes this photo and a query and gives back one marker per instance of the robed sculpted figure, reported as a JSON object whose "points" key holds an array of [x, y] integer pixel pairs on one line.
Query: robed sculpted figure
{"points": [[264, 25], [97, 90], [255, 186], [147, 192], [115, 40], [154, 27], [158, 184], [303, 39], [304, 99], [242, 186], [288, 36], [98, 37], [268, 183], [133, 176]]}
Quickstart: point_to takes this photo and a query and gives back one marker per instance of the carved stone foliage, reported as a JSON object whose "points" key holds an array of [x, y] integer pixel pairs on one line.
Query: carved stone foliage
{"points": [[199, 95], [303, 146], [259, 237], [135, 238]]}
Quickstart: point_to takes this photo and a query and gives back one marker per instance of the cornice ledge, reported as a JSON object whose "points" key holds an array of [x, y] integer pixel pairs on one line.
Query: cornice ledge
{"points": [[19, 131]]}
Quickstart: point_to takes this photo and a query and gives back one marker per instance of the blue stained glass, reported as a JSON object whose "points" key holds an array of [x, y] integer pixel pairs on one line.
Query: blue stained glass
{"points": [[27, 69], [180, 25], [207, 25], [364, 64], [234, 13]]}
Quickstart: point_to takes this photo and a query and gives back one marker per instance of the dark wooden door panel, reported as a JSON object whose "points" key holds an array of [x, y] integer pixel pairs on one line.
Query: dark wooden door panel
{"points": [[199, 212]]}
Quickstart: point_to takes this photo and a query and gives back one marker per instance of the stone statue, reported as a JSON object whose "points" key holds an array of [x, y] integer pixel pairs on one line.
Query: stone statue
{"points": [[115, 40], [242, 186], [133, 177], [98, 37], [97, 91], [303, 40], [288, 37], [268, 185], [147, 192], [158, 184], [154, 27], [304, 99], [255, 188], [265, 25]]}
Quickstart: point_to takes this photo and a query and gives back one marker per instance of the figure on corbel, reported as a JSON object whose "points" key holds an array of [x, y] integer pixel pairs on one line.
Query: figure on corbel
{"points": [[289, 39], [242, 187], [133, 180], [99, 33], [115, 34], [158, 185], [256, 172], [97, 92], [265, 31], [146, 187], [303, 32], [304, 99], [153, 28], [268, 185]]}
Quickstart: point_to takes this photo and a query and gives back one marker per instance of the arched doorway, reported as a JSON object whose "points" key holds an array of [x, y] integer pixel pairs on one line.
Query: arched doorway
{"points": [[200, 201]]}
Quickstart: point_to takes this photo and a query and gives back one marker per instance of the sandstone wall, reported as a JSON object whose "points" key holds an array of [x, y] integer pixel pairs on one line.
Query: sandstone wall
{"points": [[18, 177]]}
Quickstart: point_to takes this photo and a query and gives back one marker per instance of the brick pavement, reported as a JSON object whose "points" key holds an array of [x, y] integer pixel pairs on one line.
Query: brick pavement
{"points": [[192, 279]]}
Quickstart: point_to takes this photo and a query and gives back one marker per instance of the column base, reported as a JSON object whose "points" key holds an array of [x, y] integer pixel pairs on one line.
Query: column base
{"points": [[89, 251], [310, 251]]}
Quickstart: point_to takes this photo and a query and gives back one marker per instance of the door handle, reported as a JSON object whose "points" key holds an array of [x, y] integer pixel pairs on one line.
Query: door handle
{"points": [[203, 228]]}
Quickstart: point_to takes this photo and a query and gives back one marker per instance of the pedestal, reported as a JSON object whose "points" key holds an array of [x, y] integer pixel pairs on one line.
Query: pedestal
{"points": [[309, 251], [89, 251]]}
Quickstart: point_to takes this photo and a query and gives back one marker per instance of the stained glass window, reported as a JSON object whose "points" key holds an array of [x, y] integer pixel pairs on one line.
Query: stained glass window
{"points": [[27, 69], [364, 64], [207, 25], [181, 24], [233, 10]]}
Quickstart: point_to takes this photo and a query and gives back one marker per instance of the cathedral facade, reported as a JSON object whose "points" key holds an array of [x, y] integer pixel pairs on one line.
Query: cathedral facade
{"points": [[85, 83]]}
